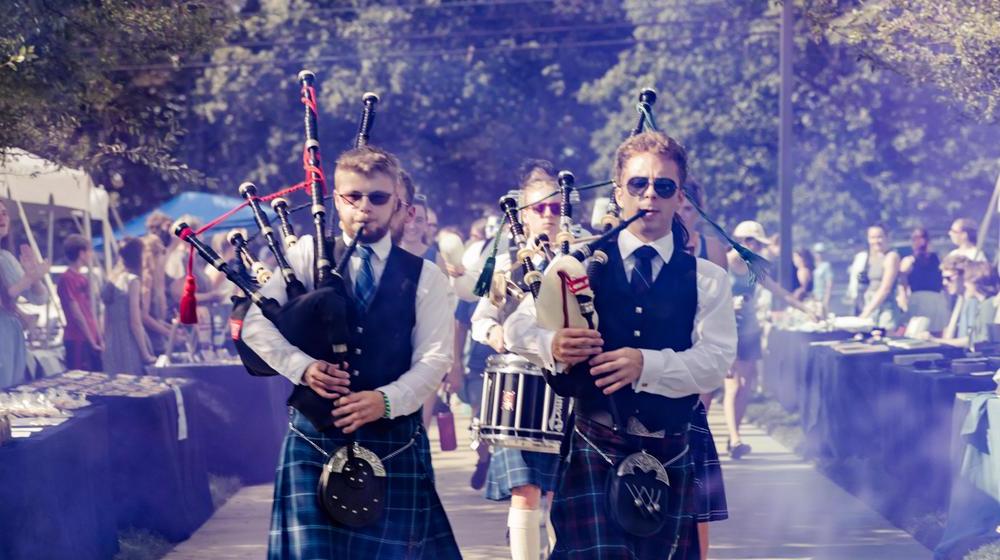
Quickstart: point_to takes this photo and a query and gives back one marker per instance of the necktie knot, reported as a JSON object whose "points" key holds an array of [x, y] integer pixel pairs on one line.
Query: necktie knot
{"points": [[645, 253], [365, 252]]}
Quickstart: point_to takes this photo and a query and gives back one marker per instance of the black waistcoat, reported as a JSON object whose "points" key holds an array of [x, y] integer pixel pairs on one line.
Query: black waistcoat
{"points": [[661, 318], [382, 343]]}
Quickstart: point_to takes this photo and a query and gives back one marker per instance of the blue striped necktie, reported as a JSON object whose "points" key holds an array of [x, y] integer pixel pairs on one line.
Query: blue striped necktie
{"points": [[364, 286]]}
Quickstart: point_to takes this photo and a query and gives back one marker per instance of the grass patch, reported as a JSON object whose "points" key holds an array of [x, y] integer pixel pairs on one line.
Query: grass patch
{"points": [[222, 488], [783, 426], [141, 544], [990, 551]]}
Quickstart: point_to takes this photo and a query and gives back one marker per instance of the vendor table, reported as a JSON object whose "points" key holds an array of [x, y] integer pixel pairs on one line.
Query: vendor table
{"points": [[244, 418], [974, 512], [839, 400], [159, 479], [785, 362], [914, 422], [55, 492]]}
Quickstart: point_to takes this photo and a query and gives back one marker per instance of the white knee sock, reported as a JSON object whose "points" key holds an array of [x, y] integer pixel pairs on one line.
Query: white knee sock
{"points": [[525, 533]]}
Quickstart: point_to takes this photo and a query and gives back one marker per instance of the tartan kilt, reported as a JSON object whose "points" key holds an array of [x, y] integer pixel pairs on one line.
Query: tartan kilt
{"points": [[584, 530], [414, 524], [510, 468], [710, 492]]}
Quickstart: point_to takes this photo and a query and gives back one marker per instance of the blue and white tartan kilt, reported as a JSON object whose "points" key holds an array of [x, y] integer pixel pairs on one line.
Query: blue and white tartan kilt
{"points": [[510, 468], [584, 530], [709, 490], [414, 524]]}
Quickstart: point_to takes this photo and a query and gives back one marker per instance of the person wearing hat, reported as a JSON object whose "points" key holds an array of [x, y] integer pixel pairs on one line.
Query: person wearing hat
{"points": [[742, 377], [822, 276]]}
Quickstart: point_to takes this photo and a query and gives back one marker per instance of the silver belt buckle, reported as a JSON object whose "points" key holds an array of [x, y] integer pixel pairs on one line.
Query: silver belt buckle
{"points": [[636, 428]]}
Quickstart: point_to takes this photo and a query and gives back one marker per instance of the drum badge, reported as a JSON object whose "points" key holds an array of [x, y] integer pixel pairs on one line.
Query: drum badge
{"points": [[508, 400], [556, 418]]}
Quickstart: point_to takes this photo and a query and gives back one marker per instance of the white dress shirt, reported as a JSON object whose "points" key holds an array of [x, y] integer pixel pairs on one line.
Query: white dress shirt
{"points": [[432, 336], [699, 369]]}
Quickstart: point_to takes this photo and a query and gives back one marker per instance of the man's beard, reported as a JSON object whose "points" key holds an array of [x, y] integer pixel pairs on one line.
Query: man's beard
{"points": [[374, 233]]}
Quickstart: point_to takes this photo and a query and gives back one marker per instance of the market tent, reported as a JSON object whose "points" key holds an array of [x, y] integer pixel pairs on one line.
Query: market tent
{"points": [[203, 206], [39, 184], [43, 191]]}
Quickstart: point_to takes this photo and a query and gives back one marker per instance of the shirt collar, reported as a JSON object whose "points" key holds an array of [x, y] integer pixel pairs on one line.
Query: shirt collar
{"points": [[628, 243], [381, 247]]}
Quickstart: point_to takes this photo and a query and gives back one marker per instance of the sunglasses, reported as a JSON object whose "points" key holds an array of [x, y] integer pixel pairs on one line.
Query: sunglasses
{"points": [[377, 198], [541, 207], [663, 186]]}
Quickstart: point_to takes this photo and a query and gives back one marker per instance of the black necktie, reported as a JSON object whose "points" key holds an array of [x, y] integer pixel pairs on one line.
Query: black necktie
{"points": [[642, 273]]}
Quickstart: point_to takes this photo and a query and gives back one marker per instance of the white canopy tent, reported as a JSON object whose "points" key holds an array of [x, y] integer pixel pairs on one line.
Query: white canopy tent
{"points": [[43, 190]]}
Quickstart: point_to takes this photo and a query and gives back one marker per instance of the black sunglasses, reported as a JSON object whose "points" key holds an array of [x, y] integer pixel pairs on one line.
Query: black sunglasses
{"points": [[663, 186], [541, 207], [377, 198]]}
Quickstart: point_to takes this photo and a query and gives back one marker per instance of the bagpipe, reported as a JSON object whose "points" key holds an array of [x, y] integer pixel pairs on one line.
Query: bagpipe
{"points": [[317, 321]]}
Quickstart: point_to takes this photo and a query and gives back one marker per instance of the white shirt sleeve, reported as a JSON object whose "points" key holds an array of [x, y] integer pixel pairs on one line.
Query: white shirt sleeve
{"points": [[703, 367], [485, 317], [262, 336], [433, 341]]}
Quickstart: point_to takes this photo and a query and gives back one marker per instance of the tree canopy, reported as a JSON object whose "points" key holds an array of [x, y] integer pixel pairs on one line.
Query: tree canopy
{"points": [[895, 101], [75, 89]]}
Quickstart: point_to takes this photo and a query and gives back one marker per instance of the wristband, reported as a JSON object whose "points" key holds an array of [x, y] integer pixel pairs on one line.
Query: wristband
{"points": [[385, 401]]}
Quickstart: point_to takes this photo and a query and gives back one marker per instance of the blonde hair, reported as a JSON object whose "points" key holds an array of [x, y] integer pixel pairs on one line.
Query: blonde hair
{"points": [[369, 161]]}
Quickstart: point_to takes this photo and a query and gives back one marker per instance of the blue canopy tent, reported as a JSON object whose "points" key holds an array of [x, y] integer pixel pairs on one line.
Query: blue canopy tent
{"points": [[204, 206]]}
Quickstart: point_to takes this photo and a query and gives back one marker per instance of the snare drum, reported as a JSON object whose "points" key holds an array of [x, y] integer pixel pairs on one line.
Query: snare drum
{"points": [[519, 410]]}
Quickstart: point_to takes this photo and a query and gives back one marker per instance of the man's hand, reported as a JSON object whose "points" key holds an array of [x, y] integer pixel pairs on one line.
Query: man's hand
{"points": [[572, 346], [454, 270], [619, 367], [328, 380], [494, 337], [357, 409]]}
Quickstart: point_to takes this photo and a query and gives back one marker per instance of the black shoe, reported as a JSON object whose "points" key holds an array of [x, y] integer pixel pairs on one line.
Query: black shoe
{"points": [[478, 479], [739, 450]]}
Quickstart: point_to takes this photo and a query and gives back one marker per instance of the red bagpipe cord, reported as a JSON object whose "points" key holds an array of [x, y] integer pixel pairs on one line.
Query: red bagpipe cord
{"points": [[314, 173]]}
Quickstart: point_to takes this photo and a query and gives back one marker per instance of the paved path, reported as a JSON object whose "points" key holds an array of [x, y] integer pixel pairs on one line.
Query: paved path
{"points": [[781, 508]]}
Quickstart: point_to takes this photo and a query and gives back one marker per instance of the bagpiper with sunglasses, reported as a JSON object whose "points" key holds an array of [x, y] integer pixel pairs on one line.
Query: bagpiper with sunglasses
{"points": [[405, 307], [666, 334]]}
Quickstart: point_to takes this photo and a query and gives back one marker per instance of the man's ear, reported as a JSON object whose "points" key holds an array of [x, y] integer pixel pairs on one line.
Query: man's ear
{"points": [[617, 194]]}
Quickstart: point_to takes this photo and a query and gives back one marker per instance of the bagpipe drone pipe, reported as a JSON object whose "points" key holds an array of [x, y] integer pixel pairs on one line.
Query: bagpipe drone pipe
{"points": [[318, 322]]}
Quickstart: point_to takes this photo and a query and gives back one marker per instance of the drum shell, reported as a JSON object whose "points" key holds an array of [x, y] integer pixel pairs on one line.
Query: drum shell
{"points": [[519, 410]]}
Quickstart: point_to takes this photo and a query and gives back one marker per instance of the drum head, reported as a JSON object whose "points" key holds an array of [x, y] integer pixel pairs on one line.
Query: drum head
{"points": [[511, 363]]}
